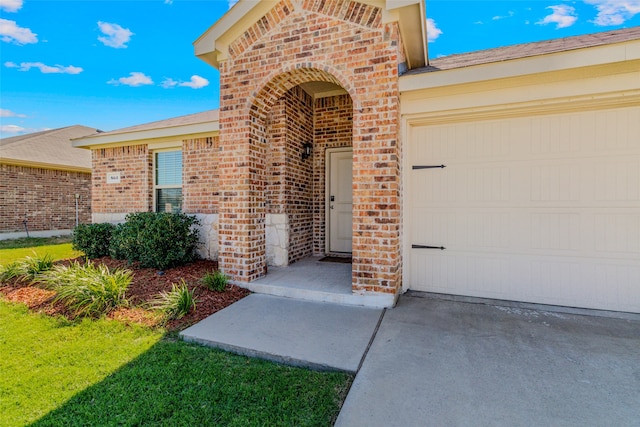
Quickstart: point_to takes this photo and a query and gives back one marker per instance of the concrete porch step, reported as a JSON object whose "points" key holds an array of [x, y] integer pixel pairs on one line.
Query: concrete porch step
{"points": [[310, 279]]}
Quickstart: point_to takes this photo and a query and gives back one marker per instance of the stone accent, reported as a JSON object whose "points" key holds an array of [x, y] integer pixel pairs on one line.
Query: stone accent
{"points": [[113, 218], [341, 42], [277, 239], [208, 229], [46, 198]]}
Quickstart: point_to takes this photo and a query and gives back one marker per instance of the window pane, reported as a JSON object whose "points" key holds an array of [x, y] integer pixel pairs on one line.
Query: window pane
{"points": [[169, 200], [169, 168]]}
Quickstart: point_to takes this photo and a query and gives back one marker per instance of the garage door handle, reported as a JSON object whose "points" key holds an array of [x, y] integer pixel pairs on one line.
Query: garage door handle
{"points": [[429, 167], [442, 248]]}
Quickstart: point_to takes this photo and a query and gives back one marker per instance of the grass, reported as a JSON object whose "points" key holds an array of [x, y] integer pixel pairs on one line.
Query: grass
{"points": [[101, 373], [57, 247]]}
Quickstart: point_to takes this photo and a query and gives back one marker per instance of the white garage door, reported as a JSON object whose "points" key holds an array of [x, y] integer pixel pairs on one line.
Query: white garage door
{"points": [[542, 209]]}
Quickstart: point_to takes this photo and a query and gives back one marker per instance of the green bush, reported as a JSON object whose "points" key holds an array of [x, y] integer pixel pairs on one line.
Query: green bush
{"points": [[177, 302], [216, 281], [93, 239], [89, 289], [28, 268], [157, 240]]}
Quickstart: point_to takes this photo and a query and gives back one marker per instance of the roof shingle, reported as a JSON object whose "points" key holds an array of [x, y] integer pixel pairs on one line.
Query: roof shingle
{"points": [[526, 50], [49, 147]]}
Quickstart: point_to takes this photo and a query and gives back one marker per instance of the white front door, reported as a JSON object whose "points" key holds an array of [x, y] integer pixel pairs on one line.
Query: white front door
{"points": [[339, 199]]}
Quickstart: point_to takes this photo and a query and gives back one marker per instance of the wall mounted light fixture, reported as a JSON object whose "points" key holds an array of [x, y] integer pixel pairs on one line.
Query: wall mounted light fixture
{"points": [[306, 150]]}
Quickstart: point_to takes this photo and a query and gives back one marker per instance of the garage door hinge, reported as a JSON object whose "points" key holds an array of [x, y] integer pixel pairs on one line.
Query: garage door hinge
{"points": [[442, 248], [429, 167]]}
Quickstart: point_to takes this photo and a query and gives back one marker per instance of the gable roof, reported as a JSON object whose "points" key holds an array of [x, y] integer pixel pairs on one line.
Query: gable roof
{"points": [[213, 46], [206, 121], [51, 149], [526, 50]]}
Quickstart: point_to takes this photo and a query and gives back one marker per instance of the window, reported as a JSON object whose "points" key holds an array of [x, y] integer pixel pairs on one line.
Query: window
{"points": [[168, 181]]}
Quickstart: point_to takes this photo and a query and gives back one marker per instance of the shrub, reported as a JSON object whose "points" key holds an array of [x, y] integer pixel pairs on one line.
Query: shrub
{"points": [[28, 268], [215, 281], [89, 289], [93, 239], [177, 302], [157, 240]]}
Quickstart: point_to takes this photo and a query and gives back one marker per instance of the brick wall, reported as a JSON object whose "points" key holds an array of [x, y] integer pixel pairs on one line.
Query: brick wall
{"points": [[299, 173], [341, 42], [200, 176], [289, 179], [134, 193], [45, 197]]}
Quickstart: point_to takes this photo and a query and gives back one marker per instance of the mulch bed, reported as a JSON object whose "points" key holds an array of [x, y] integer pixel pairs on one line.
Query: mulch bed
{"points": [[147, 284]]}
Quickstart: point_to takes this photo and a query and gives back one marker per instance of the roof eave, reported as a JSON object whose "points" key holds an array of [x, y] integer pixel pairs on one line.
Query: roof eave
{"points": [[413, 29], [517, 67], [43, 165], [206, 47], [212, 45], [147, 134]]}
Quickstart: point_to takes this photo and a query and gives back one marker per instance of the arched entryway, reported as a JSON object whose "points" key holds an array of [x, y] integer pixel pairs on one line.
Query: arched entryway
{"points": [[274, 210]]}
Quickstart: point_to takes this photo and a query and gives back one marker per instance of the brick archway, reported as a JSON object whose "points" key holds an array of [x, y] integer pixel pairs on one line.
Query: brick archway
{"points": [[302, 48], [278, 83], [247, 203]]}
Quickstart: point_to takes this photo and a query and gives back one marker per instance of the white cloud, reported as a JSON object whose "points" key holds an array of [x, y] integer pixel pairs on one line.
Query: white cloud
{"points": [[196, 82], [168, 83], [10, 5], [8, 113], [168, 1], [46, 69], [433, 32], [232, 3], [116, 36], [135, 79], [614, 12], [12, 129], [508, 15], [12, 33], [563, 16]]}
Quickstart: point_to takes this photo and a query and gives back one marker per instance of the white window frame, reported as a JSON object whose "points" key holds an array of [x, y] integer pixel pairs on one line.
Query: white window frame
{"points": [[155, 176]]}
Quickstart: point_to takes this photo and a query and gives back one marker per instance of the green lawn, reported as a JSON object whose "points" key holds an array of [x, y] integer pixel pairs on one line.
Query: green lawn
{"points": [[57, 247], [101, 373]]}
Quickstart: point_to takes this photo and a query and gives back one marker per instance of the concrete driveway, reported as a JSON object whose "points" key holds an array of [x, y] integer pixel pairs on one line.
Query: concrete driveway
{"points": [[444, 363]]}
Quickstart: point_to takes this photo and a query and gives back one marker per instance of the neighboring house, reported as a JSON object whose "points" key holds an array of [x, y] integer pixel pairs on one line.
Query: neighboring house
{"points": [[511, 173], [45, 183]]}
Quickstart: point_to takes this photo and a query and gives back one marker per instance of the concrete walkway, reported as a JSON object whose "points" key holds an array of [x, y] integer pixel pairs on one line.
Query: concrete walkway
{"points": [[435, 362], [302, 333], [444, 363]]}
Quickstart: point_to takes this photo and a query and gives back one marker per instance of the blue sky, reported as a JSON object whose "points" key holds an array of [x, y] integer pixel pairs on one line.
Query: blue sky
{"points": [[112, 64]]}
